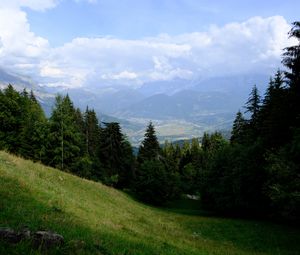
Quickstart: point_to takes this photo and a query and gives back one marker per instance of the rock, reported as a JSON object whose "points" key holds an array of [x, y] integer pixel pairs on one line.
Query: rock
{"points": [[43, 239], [47, 239], [9, 235], [25, 233]]}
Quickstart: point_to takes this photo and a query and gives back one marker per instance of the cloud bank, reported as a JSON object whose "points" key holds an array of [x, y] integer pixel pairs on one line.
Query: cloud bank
{"points": [[251, 46]]}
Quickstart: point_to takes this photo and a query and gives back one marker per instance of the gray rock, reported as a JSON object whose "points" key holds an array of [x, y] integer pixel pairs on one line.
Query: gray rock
{"points": [[9, 235], [43, 239], [47, 239], [25, 233]]}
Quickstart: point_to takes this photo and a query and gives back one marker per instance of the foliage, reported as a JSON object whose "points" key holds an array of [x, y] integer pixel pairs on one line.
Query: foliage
{"points": [[96, 219], [115, 156], [65, 138], [69, 140], [272, 169], [149, 149], [256, 173]]}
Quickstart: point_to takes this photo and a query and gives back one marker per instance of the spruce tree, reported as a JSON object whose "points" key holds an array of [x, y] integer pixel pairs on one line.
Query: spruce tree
{"points": [[238, 129], [253, 104], [149, 149], [91, 132], [33, 137], [11, 119], [115, 155], [291, 59], [65, 135], [273, 119]]}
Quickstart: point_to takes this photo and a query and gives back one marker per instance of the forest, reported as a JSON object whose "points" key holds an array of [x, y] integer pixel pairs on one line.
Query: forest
{"points": [[256, 173]]}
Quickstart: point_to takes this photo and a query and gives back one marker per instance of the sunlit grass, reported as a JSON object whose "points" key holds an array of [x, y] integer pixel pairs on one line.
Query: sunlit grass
{"points": [[96, 219]]}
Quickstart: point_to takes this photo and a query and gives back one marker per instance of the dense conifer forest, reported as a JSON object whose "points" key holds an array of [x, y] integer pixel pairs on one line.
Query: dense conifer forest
{"points": [[256, 173]]}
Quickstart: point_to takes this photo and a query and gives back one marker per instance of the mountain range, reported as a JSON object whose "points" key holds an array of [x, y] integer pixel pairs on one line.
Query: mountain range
{"points": [[179, 109]]}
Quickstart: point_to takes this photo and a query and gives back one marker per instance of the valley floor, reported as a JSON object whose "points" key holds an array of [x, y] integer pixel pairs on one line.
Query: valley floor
{"points": [[96, 219]]}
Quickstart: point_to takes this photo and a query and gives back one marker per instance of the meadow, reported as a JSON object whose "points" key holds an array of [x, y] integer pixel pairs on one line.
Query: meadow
{"points": [[97, 219]]}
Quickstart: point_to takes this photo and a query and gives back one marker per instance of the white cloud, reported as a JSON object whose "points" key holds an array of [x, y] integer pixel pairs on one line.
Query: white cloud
{"points": [[19, 46], [251, 46], [37, 5], [125, 75], [48, 71], [89, 1]]}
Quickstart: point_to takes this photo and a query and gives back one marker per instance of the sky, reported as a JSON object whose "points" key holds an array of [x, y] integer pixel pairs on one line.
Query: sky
{"points": [[75, 43]]}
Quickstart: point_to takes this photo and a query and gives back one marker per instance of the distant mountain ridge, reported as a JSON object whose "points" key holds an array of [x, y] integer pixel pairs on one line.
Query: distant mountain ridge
{"points": [[179, 109], [22, 82]]}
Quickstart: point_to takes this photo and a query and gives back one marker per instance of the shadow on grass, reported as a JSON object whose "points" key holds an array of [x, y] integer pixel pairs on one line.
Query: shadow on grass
{"points": [[245, 234], [187, 206]]}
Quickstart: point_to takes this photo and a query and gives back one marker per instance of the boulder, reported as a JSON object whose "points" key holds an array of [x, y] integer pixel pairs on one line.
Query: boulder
{"points": [[47, 239], [25, 233], [43, 239], [9, 235]]}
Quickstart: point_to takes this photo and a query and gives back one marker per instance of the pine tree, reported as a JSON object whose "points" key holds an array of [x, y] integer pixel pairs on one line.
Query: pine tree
{"points": [[149, 149], [115, 156], [91, 132], [273, 119], [65, 135], [156, 181], [11, 119], [291, 59], [205, 142], [32, 136], [238, 129], [253, 104]]}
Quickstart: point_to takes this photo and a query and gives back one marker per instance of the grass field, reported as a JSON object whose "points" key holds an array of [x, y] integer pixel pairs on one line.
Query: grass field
{"points": [[95, 219]]}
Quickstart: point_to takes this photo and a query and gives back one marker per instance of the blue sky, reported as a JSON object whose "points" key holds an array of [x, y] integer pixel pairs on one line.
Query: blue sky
{"points": [[94, 43], [134, 19]]}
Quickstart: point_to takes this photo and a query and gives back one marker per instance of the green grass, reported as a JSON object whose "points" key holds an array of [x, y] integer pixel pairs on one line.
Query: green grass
{"points": [[96, 219]]}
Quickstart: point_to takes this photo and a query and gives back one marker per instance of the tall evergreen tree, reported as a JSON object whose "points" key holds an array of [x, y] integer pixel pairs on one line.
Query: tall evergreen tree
{"points": [[11, 119], [291, 59], [273, 119], [238, 129], [149, 149], [65, 135], [155, 181], [33, 134], [253, 104], [91, 132], [115, 156]]}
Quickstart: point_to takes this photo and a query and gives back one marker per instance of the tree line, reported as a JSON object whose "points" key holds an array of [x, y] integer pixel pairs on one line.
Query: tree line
{"points": [[69, 140], [257, 172]]}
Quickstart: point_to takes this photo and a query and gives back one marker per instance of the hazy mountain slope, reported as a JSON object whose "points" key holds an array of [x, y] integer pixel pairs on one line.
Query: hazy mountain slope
{"points": [[107, 100], [180, 109], [200, 108], [96, 219], [20, 82]]}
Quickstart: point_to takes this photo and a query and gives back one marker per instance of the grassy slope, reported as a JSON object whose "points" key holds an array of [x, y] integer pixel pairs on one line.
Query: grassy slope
{"points": [[95, 219]]}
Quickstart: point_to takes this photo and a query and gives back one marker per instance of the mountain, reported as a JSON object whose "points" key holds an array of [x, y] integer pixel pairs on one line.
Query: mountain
{"points": [[107, 99], [186, 105], [167, 87], [21, 82], [179, 109], [188, 109]]}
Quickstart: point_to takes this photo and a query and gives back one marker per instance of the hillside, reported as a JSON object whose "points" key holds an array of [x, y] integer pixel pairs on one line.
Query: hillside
{"points": [[95, 219]]}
